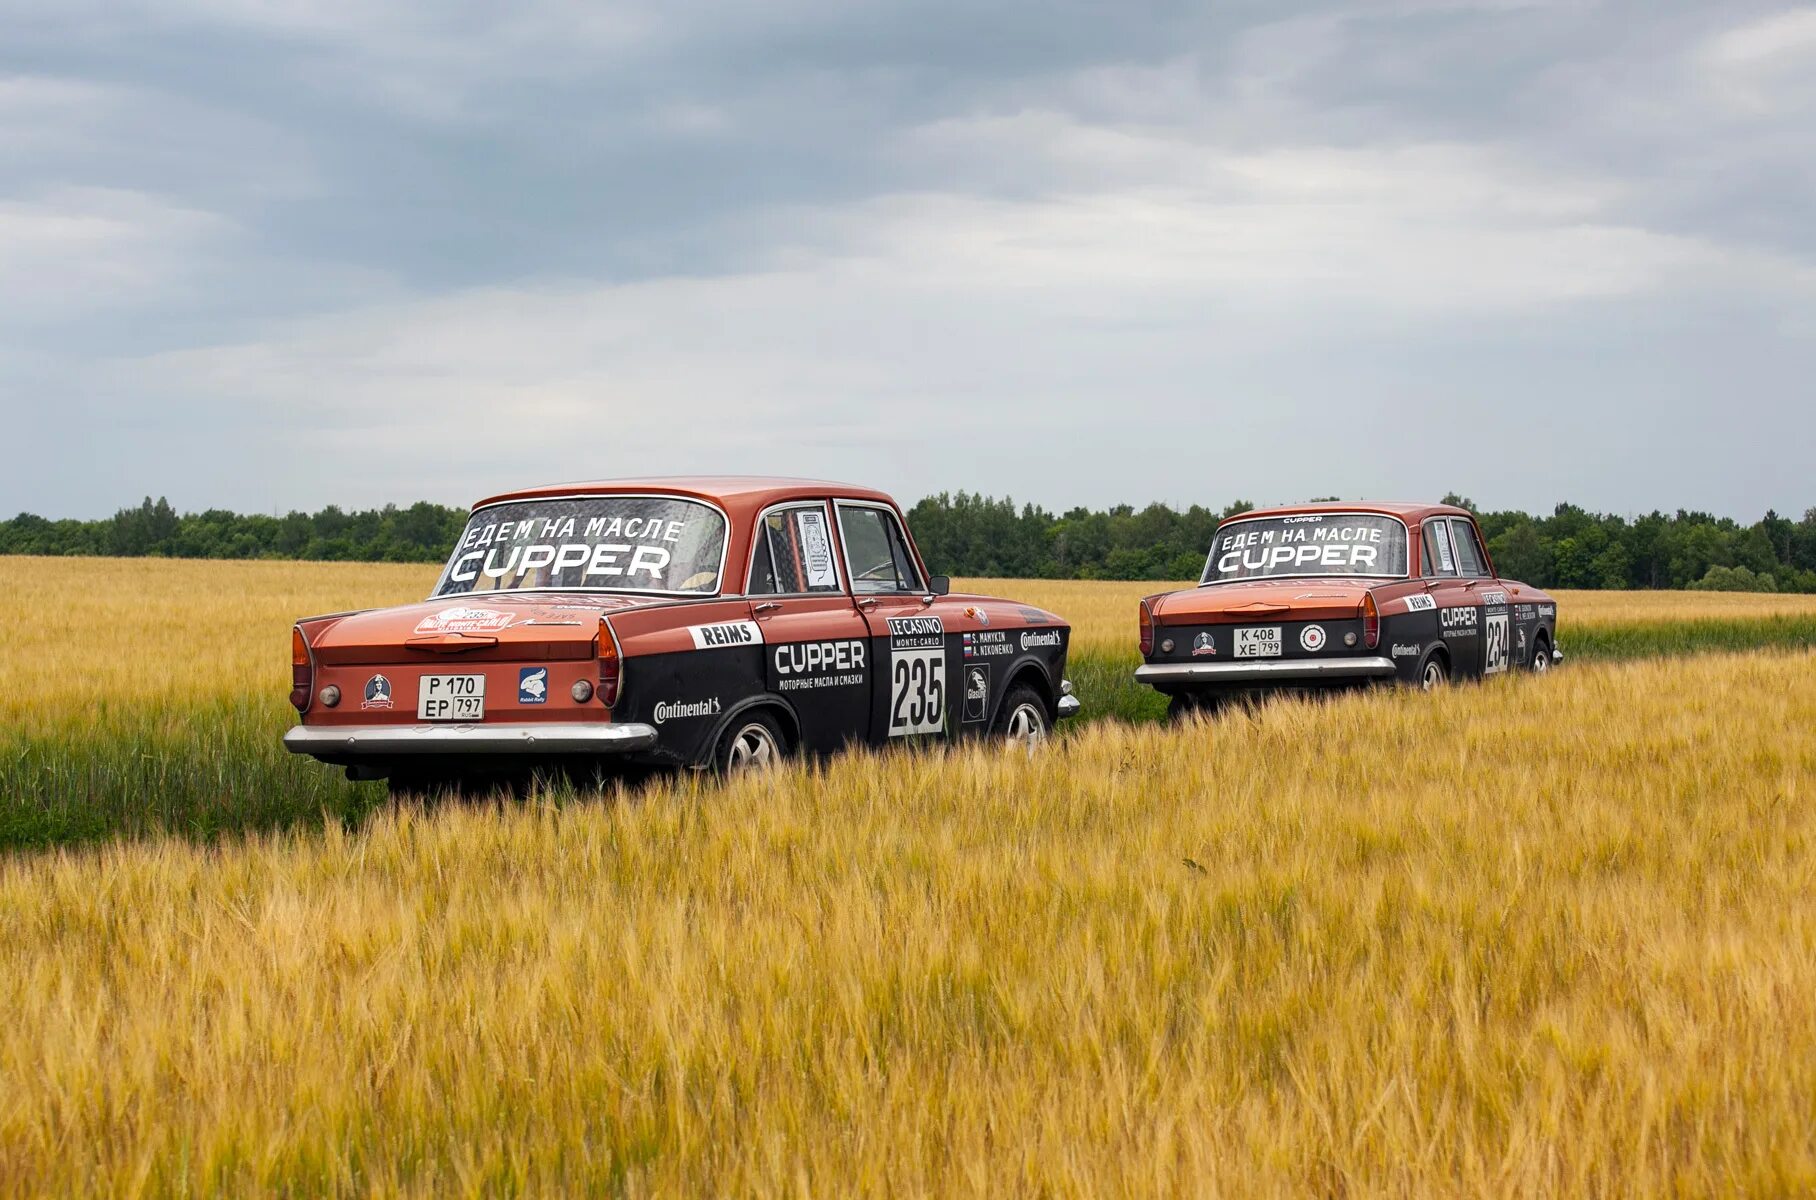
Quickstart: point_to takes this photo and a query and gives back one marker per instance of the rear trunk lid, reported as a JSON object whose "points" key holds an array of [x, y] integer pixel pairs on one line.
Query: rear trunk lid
{"points": [[493, 628], [1264, 600]]}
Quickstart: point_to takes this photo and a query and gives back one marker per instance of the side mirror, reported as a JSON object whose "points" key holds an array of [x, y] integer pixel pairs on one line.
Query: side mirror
{"points": [[940, 585]]}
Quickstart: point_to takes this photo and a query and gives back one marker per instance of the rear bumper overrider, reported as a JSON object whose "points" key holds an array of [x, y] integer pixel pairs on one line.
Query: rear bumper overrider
{"points": [[1279, 670], [1068, 703], [342, 742]]}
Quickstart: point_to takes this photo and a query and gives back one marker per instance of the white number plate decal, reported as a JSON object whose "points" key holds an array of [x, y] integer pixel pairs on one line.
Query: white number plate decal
{"points": [[1258, 641], [1494, 646], [451, 698], [917, 692]]}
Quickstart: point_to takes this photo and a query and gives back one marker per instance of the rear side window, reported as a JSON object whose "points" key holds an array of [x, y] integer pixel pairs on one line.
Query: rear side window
{"points": [[793, 553], [1438, 558], [876, 553], [1470, 559]]}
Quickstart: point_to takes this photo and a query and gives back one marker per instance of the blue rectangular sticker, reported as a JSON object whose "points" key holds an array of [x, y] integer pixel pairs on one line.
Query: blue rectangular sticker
{"points": [[533, 685]]}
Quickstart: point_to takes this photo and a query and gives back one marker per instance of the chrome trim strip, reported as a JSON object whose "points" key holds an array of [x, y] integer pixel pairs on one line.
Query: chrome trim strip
{"points": [[592, 737], [1272, 668]]}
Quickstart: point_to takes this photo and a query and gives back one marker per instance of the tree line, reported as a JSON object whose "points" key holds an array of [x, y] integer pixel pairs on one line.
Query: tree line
{"points": [[968, 534]]}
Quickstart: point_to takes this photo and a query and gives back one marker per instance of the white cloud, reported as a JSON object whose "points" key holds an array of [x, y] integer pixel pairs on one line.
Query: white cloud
{"points": [[1765, 66], [71, 251], [908, 314]]}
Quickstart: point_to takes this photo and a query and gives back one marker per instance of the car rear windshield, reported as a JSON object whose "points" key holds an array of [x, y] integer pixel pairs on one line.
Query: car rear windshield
{"points": [[589, 543], [1307, 544]]}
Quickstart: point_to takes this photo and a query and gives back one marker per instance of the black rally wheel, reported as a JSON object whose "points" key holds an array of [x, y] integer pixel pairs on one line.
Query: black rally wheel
{"points": [[1541, 655], [752, 742], [1023, 719]]}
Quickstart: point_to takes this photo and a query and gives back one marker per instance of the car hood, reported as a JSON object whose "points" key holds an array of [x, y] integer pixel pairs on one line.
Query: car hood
{"points": [[1263, 600], [544, 625]]}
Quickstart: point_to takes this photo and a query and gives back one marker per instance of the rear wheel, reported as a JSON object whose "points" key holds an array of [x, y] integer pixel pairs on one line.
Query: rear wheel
{"points": [[1435, 674], [754, 742], [1023, 720]]}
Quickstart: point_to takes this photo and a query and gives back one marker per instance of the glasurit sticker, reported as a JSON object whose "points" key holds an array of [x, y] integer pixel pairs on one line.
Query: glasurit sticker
{"points": [[465, 620], [912, 633], [816, 548], [726, 633], [977, 695]]}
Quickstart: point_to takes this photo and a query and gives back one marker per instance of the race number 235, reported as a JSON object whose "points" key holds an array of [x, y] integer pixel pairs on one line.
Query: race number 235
{"points": [[917, 692]]}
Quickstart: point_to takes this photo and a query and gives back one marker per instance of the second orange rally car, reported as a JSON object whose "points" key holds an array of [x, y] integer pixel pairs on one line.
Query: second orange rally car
{"points": [[1323, 595]]}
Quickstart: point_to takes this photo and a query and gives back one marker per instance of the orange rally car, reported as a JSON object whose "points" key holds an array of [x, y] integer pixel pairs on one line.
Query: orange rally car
{"points": [[713, 622], [1320, 595]]}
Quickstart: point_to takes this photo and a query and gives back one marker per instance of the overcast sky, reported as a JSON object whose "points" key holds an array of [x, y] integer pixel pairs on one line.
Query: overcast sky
{"points": [[284, 254]]}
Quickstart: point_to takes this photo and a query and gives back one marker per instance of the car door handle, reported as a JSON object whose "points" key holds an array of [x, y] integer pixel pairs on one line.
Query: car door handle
{"points": [[868, 604], [766, 606]]}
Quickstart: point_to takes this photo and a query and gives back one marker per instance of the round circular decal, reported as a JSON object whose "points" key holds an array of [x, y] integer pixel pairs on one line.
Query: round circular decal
{"points": [[1312, 638]]}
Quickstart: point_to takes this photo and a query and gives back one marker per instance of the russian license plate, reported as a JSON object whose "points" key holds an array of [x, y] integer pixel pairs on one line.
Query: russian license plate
{"points": [[451, 698], [1258, 641]]}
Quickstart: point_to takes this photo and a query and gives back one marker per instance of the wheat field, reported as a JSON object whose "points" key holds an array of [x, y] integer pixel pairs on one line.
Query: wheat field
{"points": [[99, 636], [1542, 938]]}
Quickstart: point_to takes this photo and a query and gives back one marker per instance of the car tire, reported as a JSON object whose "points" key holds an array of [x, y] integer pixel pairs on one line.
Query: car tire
{"points": [[753, 742], [1541, 656], [1435, 674], [1023, 719]]}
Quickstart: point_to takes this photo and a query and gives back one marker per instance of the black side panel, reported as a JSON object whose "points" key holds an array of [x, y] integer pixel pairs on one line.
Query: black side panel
{"points": [[683, 695], [828, 683], [990, 659]]}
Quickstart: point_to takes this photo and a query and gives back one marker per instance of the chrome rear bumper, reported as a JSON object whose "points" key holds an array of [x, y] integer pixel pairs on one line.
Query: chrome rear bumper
{"points": [[385, 741], [1068, 703], [1265, 670]]}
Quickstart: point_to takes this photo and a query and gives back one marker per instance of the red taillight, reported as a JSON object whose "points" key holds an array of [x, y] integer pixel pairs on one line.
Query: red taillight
{"points": [[608, 665], [1147, 630], [1371, 622], [302, 670]]}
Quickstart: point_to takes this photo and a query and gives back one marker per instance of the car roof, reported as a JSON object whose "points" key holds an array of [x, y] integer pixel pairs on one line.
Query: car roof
{"points": [[740, 495], [1408, 511]]}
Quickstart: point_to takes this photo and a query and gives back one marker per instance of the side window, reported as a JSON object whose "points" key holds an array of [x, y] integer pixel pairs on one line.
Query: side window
{"points": [[1438, 559], [1471, 561], [793, 553], [876, 554]]}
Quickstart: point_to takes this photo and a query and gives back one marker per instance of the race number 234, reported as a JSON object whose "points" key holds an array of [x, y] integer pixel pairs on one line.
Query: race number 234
{"points": [[1494, 648], [917, 692]]}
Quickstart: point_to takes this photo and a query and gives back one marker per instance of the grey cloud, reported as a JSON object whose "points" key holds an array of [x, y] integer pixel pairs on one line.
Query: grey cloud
{"points": [[355, 253]]}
